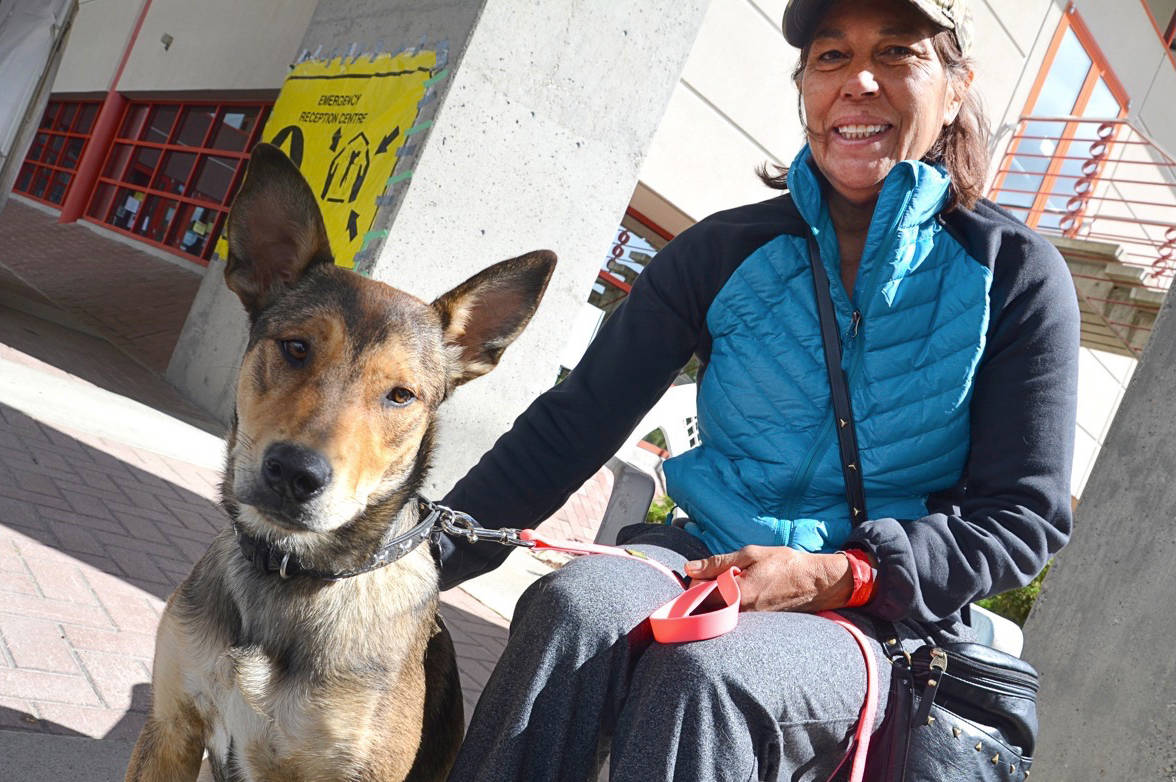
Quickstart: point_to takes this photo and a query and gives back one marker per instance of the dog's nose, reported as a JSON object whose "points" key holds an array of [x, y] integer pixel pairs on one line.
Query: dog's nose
{"points": [[295, 472]]}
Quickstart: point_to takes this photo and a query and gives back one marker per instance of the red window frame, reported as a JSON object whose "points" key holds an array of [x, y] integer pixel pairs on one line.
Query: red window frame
{"points": [[160, 159], [618, 246], [47, 172], [1099, 68]]}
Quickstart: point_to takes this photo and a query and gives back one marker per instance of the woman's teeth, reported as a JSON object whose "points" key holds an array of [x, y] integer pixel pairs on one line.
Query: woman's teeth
{"points": [[857, 132]]}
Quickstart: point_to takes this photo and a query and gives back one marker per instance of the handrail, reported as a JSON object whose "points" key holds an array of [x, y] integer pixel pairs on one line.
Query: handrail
{"points": [[1116, 186]]}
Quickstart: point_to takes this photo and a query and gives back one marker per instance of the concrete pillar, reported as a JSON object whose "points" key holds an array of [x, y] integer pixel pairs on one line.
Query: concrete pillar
{"points": [[1102, 632], [536, 139]]}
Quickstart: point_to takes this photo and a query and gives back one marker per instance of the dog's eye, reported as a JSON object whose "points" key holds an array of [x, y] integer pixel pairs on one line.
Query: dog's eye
{"points": [[400, 396], [295, 351]]}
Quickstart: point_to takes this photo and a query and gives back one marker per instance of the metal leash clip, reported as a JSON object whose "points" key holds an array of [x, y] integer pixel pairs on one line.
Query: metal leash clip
{"points": [[461, 525]]}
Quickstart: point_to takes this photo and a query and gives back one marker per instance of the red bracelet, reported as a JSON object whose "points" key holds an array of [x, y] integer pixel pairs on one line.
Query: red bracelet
{"points": [[864, 576]]}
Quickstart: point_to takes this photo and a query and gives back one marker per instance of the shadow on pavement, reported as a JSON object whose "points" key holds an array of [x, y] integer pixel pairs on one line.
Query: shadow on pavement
{"points": [[43, 751], [31, 328], [81, 501]]}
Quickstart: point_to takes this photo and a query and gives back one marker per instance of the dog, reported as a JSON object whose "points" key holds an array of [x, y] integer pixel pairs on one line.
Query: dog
{"points": [[333, 667]]}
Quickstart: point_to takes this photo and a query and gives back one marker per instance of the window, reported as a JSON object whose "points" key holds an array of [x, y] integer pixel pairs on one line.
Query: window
{"points": [[1163, 16], [172, 171], [52, 159], [637, 241], [1054, 159]]}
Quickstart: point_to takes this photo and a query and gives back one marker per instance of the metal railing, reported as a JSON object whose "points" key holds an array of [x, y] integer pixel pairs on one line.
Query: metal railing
{"points": [[1105, 194]]}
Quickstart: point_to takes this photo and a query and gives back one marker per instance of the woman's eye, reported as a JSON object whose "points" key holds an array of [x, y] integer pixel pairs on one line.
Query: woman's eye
{"points": [[830, 56], [295, 351], [898, 51], [400, 396]]}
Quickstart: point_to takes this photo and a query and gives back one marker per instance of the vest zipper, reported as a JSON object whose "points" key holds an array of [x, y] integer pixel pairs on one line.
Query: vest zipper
{"points": [[855, 323], [824, 441]]}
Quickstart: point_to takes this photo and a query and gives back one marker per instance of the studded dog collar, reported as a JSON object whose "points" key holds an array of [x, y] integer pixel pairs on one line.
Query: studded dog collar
{"points": [[268, 558]]}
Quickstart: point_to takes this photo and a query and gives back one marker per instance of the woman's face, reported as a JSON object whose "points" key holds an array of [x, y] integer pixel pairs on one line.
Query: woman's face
{"points": [[875, 93]]}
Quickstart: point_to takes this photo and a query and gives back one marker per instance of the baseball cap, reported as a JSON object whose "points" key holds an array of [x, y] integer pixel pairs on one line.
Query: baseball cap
{"points": [[801, 16]]}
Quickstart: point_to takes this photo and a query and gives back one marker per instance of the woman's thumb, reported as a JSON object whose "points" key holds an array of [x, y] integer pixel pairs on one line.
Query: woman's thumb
{"points": [[702, 569]]}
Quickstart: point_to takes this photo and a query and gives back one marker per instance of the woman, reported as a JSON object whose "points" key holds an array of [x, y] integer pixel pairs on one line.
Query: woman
{"points": [[960, 336]]}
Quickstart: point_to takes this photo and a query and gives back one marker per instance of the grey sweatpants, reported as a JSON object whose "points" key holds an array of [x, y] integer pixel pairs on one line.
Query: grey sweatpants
{"points": [[776, 698]]}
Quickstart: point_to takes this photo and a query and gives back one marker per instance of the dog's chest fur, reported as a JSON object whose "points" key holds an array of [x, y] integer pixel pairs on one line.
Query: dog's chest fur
{"points": [[295, 681]]}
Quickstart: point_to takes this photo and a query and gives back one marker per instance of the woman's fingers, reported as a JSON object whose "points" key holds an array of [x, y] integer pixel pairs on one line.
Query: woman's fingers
{"points": [[710, 567]]}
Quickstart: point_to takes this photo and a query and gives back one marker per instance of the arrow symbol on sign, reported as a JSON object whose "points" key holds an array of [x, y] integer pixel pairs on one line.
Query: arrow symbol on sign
{"points": [[384, 142], [335, 138], [352, 227]]}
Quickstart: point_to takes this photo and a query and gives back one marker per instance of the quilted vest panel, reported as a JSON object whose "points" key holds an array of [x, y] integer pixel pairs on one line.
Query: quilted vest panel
{"points": [[768, 470]]}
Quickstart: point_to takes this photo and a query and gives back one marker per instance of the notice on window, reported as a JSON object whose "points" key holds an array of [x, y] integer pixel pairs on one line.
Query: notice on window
{"points": [[344, 123]]}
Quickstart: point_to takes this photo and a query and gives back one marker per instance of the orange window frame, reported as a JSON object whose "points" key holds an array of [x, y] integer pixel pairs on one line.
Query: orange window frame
{"points": [[57, 147], [1099, 68], [1166, 34]]}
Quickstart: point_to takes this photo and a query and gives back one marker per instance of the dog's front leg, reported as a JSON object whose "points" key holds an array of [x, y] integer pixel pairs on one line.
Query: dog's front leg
{"points": [[171, 744], [167, 751]]}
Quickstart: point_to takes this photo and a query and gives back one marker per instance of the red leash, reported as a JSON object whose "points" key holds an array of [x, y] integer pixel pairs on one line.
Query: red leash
{"points": [[677, 622]]}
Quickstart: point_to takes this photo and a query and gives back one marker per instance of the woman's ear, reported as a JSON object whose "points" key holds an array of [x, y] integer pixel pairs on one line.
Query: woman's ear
{"points": [[957, 90]]}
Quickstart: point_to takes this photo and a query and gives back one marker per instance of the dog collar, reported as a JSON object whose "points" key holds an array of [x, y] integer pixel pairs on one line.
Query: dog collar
{"points": [[268, 558]]}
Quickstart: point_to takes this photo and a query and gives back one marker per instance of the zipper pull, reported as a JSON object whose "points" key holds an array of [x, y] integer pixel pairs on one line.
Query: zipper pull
{"points": [[855, 323], [936, 669]]}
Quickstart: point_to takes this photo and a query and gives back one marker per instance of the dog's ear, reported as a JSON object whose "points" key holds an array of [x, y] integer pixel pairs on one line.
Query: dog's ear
{"points": [[276, 230], [485, 313]]}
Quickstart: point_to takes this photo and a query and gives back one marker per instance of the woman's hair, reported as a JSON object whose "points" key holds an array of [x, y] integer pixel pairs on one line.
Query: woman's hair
{"points": [[962, 146]]}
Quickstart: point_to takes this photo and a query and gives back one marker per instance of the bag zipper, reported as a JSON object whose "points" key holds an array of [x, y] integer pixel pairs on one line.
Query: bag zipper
{"points": [[964, 665], [937, 668]]}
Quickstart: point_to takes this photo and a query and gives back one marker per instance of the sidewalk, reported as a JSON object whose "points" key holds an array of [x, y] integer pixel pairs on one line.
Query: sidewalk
{"points": [[107, 497]]}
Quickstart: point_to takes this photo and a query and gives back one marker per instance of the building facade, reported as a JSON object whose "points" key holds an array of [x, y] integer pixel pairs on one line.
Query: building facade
{"points": [[1080, 96]]}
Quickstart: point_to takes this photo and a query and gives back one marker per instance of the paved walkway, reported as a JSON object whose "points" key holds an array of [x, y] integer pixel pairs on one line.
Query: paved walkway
{"points": [[107, 497], [92, 277]]}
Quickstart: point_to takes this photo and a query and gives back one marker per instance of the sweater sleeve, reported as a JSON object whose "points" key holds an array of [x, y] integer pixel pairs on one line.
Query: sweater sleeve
{"points": [[1014, 509], [567, 433]]}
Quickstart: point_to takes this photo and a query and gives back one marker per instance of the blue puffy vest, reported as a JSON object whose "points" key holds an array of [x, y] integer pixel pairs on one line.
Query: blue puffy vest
{"points": [[768, 470]]}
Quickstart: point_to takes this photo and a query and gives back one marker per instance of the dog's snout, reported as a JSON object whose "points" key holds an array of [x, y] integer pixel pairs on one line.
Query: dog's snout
{"points": [[295, 472]]}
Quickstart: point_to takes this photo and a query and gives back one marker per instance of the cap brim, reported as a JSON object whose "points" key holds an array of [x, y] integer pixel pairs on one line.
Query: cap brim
{"points": [[800, 17]]}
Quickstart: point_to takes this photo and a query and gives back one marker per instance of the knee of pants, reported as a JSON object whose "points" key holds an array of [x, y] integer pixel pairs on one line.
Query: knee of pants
{"points": [[683, 671], [598, 594]]}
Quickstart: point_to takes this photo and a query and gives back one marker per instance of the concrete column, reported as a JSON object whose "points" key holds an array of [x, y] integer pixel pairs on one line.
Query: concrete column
{"points": [[540, 128], [1103, 629]]}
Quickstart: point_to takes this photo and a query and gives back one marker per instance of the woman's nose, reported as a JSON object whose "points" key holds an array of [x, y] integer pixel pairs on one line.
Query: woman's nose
{"points": [[859, 84]]}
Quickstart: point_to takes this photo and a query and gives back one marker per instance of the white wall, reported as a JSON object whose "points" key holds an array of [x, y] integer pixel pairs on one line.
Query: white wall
{"points": [[217, 45], [735, 105], [100, 32], [1102, 379], [733, 109]]}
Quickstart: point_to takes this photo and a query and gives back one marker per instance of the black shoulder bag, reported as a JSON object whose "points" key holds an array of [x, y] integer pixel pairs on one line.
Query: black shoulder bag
{"points": [[959, 711]]}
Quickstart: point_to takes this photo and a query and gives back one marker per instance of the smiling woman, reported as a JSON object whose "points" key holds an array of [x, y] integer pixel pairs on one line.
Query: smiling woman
{"points": [[958, 334]]}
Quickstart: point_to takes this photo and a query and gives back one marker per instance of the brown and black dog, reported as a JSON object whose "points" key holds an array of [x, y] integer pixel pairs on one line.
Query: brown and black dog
{"points": [[300, 678]]}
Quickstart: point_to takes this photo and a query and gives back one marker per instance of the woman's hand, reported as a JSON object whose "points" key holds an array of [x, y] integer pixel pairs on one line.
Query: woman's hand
{"points": [[778, 578]]}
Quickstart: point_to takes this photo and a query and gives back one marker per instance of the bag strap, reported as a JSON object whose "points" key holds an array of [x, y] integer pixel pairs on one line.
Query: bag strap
{"points": [[855, 494]]}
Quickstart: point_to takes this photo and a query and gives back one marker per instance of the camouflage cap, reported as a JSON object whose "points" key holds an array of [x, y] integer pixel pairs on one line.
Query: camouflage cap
{"points": [[801, 17]]}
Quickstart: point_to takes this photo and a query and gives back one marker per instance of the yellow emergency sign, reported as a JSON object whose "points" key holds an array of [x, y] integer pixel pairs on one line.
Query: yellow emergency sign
{"points": [[344, 122]]}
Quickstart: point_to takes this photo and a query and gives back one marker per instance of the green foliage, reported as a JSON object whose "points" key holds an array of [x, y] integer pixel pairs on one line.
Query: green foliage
{"points": [[659, 509], [656, 437], [1016, 604]]}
